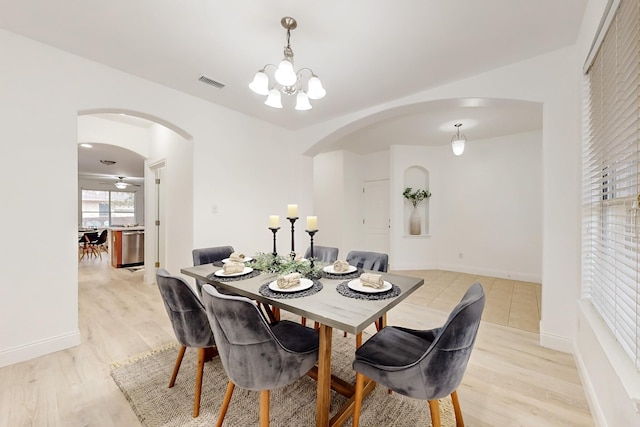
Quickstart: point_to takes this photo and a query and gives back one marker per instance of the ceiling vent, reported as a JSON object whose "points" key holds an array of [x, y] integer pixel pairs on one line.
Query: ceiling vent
{"points": [[211, 82], [108, 162]]}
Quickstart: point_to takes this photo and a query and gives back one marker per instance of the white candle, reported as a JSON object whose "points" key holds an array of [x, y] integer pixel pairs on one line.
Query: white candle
{"points": [[312, 223], [274, 221], [292, 211]]}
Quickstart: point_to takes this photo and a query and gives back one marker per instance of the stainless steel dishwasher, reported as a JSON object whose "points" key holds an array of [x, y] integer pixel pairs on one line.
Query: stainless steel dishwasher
{"points": [[133, 247]]}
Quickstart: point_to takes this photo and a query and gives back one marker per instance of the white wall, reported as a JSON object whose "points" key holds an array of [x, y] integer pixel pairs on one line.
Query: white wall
{"points": [[486, 204], [490, 208], [40, 134]]}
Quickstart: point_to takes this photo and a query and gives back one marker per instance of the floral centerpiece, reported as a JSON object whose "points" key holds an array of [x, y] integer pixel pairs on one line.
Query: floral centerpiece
{"points": [[271, 263]]}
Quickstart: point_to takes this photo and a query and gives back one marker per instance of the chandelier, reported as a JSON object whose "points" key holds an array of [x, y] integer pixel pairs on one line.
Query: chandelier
{"points": [[286, 79], [458, 140]]}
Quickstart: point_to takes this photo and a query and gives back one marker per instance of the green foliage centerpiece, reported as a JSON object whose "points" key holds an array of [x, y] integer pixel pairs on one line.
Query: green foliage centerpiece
{"points": [[271, 263]]}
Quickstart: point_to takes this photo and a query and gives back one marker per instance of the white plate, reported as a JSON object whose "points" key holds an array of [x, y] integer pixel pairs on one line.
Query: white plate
{"points": [[220, 273], [357, 286], [304, 284], [329, 269], [246, 259]]}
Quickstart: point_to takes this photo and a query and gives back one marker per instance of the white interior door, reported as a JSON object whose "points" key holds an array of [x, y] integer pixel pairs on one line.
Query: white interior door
{"points": [[376, 216]]}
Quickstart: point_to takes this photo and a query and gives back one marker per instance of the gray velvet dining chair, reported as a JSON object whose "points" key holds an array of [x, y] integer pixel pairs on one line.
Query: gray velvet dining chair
{"points": [[190, 325], [322, 253], [257, 355], [375, 261], [423, 364], [207, 256]]}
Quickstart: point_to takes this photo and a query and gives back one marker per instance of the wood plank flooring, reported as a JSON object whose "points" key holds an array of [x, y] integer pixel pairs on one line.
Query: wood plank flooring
{"points": [[510, 381]]}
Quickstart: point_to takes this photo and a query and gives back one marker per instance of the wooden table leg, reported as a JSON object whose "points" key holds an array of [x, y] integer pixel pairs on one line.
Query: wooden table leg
{"points": [[324, 377]]}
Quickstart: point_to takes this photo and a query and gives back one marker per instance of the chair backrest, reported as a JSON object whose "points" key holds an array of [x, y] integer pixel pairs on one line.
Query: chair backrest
{"points": [[207, 256], [251, 355], [322, 253], [102, 238], [447, 357], [375, 261], [90, 237], [186, 312]]}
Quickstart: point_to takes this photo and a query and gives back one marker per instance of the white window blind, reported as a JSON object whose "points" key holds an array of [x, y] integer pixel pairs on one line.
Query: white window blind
{"points": [[611, 182]]}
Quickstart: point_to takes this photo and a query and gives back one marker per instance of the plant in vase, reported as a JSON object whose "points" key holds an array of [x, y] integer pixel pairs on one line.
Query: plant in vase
{"points": [[415, 197]]}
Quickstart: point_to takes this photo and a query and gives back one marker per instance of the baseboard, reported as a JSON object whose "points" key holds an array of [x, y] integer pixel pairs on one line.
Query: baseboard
{"points": [[556, 342], [590, 392], [511, 275], [39, 348]]}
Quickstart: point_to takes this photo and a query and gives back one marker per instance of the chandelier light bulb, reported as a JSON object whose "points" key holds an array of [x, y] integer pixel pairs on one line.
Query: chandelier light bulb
{"points": [[120, 185], [315, 89], [285, 74], [457, 141], [260, 83], [302, 102], [274, 99]]}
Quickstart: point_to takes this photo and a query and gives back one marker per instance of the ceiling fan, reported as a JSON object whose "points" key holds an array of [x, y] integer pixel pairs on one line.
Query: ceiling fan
{"points": [[121, 183]]}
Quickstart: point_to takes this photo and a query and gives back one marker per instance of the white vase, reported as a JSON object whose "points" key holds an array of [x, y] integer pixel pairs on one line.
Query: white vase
{"points": [[415, 222]]}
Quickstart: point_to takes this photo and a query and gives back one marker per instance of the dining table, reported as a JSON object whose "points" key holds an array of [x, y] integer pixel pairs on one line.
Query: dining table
{"points": [[333, 301]]}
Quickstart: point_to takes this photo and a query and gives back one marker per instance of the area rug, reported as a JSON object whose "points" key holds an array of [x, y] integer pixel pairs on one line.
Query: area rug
{"points": [[144, 378]]}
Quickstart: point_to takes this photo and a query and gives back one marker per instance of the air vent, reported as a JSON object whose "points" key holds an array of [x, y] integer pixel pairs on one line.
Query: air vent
{"points": [[108, 162], [211, 82]]}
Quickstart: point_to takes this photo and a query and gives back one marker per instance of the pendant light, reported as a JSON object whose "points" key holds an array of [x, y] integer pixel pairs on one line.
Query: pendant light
{"points": [[458, 140]]}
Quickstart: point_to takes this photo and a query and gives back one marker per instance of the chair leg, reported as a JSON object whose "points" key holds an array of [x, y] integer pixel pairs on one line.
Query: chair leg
{"points": [[264, 408], [456, 408], [435, 412], [358, 399], [176, 367], [225, 403], [303, 321], [202, 353], [358, 340]]}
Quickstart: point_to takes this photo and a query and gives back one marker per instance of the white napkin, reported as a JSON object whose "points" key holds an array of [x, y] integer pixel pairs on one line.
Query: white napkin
{"points": [[237, 257], [372, 280], [340, 266], [288, 280], [233, 267]]}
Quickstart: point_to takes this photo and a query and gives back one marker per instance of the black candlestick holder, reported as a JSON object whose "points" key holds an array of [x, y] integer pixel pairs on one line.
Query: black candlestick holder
{"points": [[274, 230], [311, 233], [293, 243]]}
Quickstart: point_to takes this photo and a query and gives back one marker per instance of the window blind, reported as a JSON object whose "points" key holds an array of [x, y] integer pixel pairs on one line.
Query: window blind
{"points": [[611, 191]]}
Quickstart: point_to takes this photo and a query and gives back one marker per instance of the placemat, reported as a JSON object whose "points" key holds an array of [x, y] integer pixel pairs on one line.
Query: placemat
{"points": [[344, 290], [333, 276], [213, 276], [265, 291]]}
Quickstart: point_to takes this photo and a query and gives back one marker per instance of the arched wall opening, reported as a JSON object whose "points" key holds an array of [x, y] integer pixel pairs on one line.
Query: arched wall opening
{"points": [[168, 150], [478, 220]]}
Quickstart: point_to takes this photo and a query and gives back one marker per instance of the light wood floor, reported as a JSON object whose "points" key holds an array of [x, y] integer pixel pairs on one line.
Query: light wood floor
{"points": [[510, 381]]}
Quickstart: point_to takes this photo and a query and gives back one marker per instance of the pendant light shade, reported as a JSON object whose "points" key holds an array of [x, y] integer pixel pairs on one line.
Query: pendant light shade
{"points": [[260, 83], [274, 99], [315, 89], [458, 140], [285, 74], [302, 102]]}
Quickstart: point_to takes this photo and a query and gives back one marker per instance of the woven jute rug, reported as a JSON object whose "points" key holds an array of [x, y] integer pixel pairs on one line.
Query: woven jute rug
{"points": [[144, 379]]}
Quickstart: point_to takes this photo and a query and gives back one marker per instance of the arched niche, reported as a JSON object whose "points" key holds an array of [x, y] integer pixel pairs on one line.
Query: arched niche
{"points": [[416, 177]]}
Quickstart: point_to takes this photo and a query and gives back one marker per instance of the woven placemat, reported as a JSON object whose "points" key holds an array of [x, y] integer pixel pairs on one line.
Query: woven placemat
{"points": [[344, 290], [314, 289], [213, 276], [333, 276]]}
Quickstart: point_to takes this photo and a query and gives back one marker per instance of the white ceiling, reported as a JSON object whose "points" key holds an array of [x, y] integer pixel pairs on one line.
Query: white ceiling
{"points": [[128, 164], [366, 52]]}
